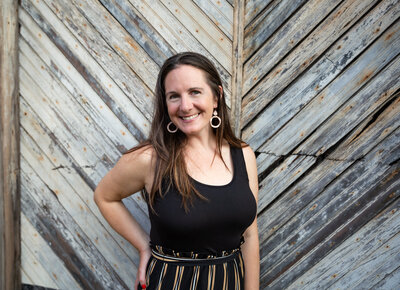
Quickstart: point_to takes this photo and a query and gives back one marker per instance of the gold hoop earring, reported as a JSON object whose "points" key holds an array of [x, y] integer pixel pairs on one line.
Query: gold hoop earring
{"points": [[215, 117], [169, 129]]}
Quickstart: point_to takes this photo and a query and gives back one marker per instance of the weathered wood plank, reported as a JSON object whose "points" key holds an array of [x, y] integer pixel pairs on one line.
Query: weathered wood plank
{"points": [[301, 195], [100, 55], [274, 185], [52, 96], [10, 250], [237, 64], [31, 267], [203, 30], [76, 205], [379, 54], [102, 154], [85, 15], [351, 219], [361, 108], [41, 206], [343, 258], [253, 8], [44, 254], [178, 36], [344, 16], [285, 39], [87, 86], [375, 266], [221, 14], [270, 19], [313, 81], [82, 106], [63, 163], [348, 187], [391, 281], [140, 30]]}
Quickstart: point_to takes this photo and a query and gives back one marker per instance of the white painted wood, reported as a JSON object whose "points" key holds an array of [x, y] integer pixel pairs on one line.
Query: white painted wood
{"points": [[31, 267], [38, 164], [64, 165], [203, 30], [220, 12], [114, 75], [178, 36], [80, 238], [73, 80], [91, 116], [46, 257], [25, 279]]}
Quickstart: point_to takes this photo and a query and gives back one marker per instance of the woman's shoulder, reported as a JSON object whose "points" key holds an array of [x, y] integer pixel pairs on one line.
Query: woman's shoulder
{"points": [[249, 157], [138, 157]]}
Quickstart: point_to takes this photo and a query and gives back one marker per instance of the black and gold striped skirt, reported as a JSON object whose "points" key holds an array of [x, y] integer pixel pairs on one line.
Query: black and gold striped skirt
{"points": [[176, 271]]}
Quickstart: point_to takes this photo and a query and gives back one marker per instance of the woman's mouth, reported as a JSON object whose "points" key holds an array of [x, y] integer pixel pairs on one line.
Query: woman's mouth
{"points": [[187, 118]]}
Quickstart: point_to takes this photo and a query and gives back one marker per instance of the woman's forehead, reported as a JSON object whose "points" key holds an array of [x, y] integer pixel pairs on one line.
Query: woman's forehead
{"points": [[185, 75]]}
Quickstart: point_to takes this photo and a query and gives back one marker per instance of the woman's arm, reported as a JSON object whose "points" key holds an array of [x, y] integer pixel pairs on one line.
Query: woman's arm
{"points": [[130, 174], [251, 246]]}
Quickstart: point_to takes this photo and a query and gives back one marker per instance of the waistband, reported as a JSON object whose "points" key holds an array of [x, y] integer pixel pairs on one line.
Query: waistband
{"points": [[165, 253], [180, 261]]}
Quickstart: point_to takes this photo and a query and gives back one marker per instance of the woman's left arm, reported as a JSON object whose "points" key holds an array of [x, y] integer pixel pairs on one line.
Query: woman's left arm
{"points": [[251, 246]]}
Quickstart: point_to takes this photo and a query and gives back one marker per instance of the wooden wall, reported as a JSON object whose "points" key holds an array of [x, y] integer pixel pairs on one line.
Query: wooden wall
{"points": [[315, 92], [321, 108]]}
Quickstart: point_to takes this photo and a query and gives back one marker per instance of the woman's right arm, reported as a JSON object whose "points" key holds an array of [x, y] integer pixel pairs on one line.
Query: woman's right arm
{"points": [[131, 173]]}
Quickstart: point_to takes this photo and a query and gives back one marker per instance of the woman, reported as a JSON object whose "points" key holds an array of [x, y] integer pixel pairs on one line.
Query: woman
{"points": [[200, 184]]}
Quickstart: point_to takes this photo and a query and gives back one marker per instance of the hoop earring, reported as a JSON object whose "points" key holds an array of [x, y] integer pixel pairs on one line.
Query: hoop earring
{"points": [[217, 118], [169, 129]]}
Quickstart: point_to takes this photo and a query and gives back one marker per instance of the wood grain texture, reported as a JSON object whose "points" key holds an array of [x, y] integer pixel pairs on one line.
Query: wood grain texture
{"points": [[320, 185], [10, 249]]}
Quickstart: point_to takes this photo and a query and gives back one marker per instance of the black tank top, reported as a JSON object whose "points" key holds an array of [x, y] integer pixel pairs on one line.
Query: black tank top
{"points": [[210, 226]]}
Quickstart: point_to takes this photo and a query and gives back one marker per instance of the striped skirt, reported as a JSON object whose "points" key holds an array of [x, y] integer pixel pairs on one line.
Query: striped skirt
{"points": [[173, 272]]}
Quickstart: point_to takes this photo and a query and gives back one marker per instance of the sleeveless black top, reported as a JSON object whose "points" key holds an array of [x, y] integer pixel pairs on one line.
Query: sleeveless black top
{"points": [[212, 225]]}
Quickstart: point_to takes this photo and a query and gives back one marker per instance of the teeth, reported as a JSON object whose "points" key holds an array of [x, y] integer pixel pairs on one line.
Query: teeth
{"points": [[190, 117]]}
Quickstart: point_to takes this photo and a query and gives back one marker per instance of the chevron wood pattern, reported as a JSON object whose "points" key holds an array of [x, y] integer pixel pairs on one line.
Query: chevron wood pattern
{"points": [[316, 95]]}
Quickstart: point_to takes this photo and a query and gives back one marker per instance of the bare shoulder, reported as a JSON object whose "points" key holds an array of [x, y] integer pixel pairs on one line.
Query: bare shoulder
{"points": [[251, 167], [249, 156], [129, 175], [142, 157]]}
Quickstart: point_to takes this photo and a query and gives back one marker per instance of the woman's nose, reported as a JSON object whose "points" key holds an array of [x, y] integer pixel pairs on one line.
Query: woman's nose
{"points": [[186, 103]]}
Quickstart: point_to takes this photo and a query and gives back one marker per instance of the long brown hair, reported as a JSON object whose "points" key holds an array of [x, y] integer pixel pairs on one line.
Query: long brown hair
{"points": [[170, 165]]}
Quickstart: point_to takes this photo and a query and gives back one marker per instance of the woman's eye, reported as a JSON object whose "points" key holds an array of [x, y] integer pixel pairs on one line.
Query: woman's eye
{"points": [[173, 97], [195, 92]]}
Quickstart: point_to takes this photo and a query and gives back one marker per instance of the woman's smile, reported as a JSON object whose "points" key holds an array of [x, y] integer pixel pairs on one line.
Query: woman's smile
{"points": [[191, 117]]}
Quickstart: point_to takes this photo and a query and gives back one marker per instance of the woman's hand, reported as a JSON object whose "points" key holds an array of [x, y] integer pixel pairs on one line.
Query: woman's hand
{"points": [[141, 273]]}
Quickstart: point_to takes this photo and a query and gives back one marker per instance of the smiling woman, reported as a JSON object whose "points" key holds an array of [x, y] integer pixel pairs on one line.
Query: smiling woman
{"points": [[200, 184]]}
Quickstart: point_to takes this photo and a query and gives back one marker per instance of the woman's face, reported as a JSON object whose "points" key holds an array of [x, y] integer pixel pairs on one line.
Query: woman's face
{"points": [[190, 100]]}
